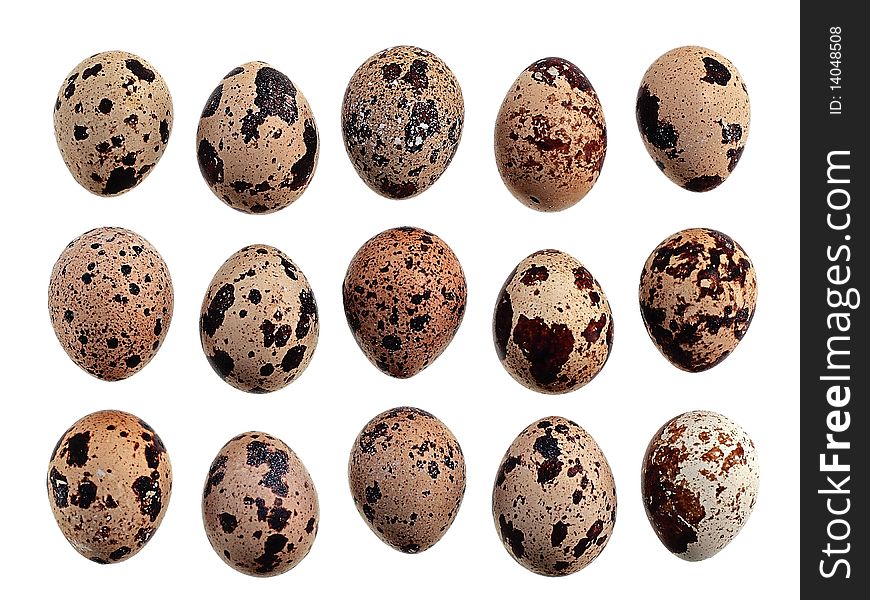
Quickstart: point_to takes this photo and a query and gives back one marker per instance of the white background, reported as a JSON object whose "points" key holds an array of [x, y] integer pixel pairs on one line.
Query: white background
{"points": [[630, 210]]}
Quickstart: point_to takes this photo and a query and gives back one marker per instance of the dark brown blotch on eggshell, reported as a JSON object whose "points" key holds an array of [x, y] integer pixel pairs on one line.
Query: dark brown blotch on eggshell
{"points": [[259, 323], [110, 300], [550, 136], [693, 115], [404, 298], [257, 142], [697, 297], [112, 120], [402, 119], [109, 482], [554, 499], [407, 478], [259, 506]]}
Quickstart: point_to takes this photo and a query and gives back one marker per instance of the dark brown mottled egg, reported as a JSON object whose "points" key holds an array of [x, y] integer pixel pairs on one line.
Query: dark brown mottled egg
{"points": [[407, 477], [404, 298], [697, 297], [259, 505], [552, 327], [550, 136], [693, 116], [109, 482], [112, 119], [700, 483], [402, 119], [110, 301], [554, 500], [257, 142], [259, 324]]}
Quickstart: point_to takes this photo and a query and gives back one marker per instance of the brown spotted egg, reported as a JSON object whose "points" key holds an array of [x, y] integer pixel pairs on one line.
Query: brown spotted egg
{"points": [[693, 116], [550, 136], [402, 119], [110, 300], [553, 329], [700, 483], [112, 119], [697, 297], [407, 478], [259, 505], [257, 141], [404, 298], [554, 500], [109, 482], [259, 324]]}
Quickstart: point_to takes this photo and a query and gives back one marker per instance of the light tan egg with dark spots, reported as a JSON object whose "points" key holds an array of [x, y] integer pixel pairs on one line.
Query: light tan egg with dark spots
{"points": [[259, 505], [112, 120], [404, 298], [554, 500], [407, 478], [697, 297], [693, 115], [110, 301], [109, 483], [259, 324], [257, 142], [552, 327], [550, 136], [402, 119], [700, 482]]}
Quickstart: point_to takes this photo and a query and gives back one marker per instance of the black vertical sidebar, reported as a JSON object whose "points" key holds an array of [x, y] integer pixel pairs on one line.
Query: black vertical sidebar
{"points": [[834, 370]]}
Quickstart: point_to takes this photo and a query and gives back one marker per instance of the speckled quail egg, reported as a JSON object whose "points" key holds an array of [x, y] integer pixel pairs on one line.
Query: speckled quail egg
{"points": [[550, 136], [552, 327], [402, 119], [697, 297], [259, 505], [112, 119], [693, 116], [554, 500], [110, 300], [700, 483], [259, 323], [109, 482], [404, 298], [257, 141], [407, 477]]}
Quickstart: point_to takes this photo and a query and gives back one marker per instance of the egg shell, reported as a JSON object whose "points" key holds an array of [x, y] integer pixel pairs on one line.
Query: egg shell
{"points": [[109, 482], [550, 136], [552, 327], [407, 478], [402, 119], [112, 120], [697, 297], [404, 298], [554, 500], [110, 301], [693, 116], [259, 505], [257, 142], [700, 482], [259, 323]]}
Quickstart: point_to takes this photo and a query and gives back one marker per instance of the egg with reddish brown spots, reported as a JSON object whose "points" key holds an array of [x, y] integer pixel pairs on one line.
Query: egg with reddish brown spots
{"points": [[259, 323], [693, 115], [554, 500], [407, 478], [552, 327], [697, 297], [550, 136], [109, 482], [259, 505], [700, 482]]}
